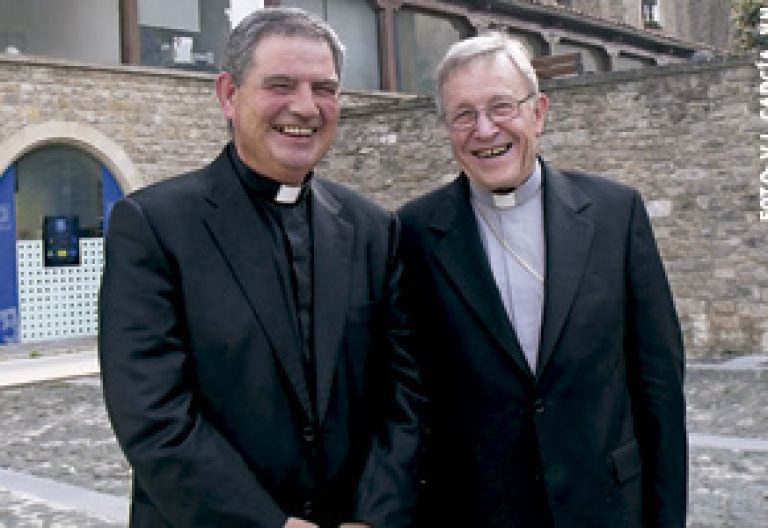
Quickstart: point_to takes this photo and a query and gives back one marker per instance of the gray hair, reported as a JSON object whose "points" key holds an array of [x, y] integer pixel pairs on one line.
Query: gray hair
{"points": [[285, 21], [490, 43]]}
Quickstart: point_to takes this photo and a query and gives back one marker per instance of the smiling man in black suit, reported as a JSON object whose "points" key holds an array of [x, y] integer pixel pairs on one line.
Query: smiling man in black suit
{"points": [[252, 347], [544, 324]]}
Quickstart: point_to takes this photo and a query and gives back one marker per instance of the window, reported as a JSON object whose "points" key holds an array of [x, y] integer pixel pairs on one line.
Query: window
{"points": [[82, 30], [185, 34], [355, 23], [422, 40], [651, 13], [58, 180], [566, 3]]}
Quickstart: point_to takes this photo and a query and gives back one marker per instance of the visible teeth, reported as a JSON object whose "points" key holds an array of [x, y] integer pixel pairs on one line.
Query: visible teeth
{"points": [[489, 153], [296, 131]]}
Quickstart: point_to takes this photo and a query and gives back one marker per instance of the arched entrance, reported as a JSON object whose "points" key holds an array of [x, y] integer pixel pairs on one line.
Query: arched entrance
{"points": [[54, 208]]}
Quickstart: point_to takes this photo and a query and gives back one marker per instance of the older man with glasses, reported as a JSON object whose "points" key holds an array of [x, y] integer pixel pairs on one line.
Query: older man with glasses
{"points": [[544, 324]]}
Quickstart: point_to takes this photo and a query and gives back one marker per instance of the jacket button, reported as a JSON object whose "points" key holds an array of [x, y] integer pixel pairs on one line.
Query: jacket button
{"points": [[308, 433], [308, 508], [538, 406]]}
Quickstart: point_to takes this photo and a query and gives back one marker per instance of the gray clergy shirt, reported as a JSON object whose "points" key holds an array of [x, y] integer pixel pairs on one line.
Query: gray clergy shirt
{"points": [[518, 219]]}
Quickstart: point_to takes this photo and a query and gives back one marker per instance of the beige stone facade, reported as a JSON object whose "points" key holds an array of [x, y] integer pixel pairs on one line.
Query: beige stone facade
{"points": [[705, 21], [685, 135]]}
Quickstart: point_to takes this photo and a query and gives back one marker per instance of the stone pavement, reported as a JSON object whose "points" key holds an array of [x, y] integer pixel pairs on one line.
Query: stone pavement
{"points": [[60, 466]]}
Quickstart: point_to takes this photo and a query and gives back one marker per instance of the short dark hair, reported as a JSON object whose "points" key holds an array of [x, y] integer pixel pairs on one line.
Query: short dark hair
{"points": [[288, 21]]}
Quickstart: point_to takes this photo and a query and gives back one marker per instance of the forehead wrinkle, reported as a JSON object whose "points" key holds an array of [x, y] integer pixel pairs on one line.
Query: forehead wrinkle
{"points": [[466, 91], [258, 48]]}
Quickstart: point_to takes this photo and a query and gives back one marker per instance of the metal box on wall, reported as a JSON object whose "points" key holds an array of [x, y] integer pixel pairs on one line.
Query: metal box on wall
{"points": [[61, 241]]}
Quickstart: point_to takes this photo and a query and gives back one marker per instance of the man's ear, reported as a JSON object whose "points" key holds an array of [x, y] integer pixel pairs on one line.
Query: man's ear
{"points": [[540, 112], [225, 92]]}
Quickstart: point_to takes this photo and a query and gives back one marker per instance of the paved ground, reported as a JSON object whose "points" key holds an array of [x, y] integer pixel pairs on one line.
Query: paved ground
{"points": [[61, 468]]}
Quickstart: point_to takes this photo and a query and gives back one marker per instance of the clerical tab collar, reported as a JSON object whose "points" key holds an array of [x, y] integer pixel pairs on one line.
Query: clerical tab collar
{"points": [[265, 188], [288, 194], [514, 197]]}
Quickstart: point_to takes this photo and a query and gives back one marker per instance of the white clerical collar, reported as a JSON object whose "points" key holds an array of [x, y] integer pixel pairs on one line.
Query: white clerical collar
{"points": [[512, 198], [265, 188], [288, 194]]}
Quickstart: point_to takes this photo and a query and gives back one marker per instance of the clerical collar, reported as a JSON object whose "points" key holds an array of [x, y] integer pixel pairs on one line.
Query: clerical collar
{"points": [[264, 187], [513, 197]]}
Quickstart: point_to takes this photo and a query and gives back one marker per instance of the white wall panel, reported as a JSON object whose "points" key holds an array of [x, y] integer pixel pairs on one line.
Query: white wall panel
{"points": [[62, 301]]}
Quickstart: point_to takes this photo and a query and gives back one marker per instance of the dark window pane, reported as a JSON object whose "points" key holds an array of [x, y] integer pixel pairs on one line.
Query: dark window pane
{"points": [[422, 40], [58, 180], [81, 30], [185, 34], [355, 23]]}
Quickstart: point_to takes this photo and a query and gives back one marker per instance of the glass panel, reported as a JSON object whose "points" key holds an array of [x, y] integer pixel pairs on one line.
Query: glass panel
{"points": [[355, 23], [172, 14], [239, 9], [58, 180], [422, 40], [81, 30], [316, 7], [651, 12], [185, 34]]}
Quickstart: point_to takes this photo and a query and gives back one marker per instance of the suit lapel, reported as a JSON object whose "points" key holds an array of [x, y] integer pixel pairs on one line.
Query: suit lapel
{"points": [[461, 255], [568, 233], [333, 237], [246, 242]]}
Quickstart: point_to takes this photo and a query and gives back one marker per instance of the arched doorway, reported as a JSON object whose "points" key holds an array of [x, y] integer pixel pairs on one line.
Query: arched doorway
{"points": [[56, 200]]}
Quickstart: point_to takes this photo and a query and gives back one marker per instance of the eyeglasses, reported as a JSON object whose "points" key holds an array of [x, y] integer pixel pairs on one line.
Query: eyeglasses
{"points": [[498, 112]]}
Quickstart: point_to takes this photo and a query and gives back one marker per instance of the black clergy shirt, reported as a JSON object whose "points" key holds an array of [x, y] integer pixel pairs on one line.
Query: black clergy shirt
{"points": [[291, 227]]}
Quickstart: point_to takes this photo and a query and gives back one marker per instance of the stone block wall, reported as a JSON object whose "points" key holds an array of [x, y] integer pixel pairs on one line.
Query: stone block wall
{"points": [[166, 121], [685, 135]]}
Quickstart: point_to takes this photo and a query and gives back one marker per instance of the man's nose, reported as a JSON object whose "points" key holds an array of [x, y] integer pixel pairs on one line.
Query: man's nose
{"points": [[303, 103], [485, 126]]}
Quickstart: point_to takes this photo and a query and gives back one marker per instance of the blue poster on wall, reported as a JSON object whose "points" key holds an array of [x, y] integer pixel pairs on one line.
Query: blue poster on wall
{"points": [[9, 296]]}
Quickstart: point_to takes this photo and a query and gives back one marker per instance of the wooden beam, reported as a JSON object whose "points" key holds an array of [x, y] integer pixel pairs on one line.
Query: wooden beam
{"points": [[551, 66], [130, 45], [385, 17]]}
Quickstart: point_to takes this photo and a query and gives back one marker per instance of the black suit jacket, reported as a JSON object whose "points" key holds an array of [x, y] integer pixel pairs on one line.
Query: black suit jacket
{"points": [[202, 369], [596, 436]]}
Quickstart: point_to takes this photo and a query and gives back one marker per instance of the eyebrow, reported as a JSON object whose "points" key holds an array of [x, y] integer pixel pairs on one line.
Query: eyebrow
{"points": [[289, 79], [491, 100]]}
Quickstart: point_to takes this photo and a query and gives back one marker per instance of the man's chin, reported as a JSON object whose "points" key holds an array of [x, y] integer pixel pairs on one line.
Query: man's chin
{"points": [[491, 182]]}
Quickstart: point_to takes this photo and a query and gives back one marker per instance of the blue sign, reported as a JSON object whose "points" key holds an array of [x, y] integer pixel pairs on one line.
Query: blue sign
{"points": [[9, 289]]}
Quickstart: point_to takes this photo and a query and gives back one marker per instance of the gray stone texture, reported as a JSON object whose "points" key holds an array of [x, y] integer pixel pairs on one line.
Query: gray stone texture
{"points": [[685, 135], [58, 430], [704, 21]]}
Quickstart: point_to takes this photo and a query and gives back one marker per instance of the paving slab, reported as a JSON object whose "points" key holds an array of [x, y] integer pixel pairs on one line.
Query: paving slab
{"points": [[60, 366], [59, 496], [57, 434]]}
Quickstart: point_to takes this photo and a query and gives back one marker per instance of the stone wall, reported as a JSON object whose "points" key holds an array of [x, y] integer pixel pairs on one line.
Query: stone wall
{"points": [[166, 121], [685, 135], [705, 21]]}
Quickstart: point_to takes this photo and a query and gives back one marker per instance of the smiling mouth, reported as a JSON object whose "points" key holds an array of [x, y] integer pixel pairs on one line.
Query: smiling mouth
{"points": [[492, 152], [295, 131]]}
